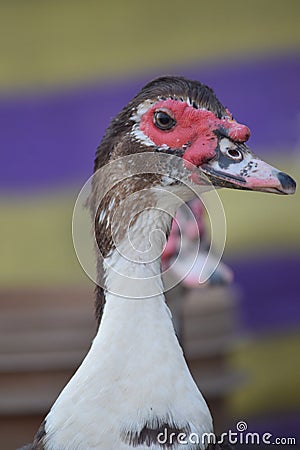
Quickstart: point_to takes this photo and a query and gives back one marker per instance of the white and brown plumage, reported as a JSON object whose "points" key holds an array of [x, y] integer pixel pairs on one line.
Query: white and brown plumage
{"points": [[134, 382]]}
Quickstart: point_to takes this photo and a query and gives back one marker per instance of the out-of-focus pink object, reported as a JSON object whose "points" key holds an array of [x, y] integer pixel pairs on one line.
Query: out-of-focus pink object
{"points": [[189, 226]]}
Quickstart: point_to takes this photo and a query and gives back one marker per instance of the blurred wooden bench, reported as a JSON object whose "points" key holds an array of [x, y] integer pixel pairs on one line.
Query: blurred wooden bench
{"points": [[45, 334]]}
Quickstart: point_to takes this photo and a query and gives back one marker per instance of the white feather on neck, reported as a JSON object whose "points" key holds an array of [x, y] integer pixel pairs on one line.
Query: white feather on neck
{"points": [[134, 373]]}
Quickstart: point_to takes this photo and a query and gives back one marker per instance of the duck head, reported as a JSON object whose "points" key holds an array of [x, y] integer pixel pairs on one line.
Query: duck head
{"points": [[182, 117]]}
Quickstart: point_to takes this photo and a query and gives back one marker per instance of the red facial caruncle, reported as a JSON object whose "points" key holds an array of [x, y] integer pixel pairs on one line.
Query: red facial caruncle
{"points": [[195, 129]]}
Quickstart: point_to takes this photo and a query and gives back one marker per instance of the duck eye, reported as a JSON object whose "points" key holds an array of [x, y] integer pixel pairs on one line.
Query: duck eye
{"points": [[233, 153], [163, 120]]}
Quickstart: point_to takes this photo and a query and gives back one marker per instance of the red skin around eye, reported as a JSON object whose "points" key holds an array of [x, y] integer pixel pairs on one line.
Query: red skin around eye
{"points": [[194, 127]]}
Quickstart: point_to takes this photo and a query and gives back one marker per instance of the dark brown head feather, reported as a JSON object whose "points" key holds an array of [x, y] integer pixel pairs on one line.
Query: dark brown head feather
{"points": [[199, 94]]}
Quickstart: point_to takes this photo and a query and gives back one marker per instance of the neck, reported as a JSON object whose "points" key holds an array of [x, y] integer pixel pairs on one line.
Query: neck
{"points": [[134, 381]]}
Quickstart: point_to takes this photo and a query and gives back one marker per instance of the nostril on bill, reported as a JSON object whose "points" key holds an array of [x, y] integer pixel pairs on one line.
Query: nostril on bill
{"points": [[287, 182]]}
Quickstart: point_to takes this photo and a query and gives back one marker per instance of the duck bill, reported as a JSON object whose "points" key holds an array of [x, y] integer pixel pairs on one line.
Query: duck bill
{"points": [[235, 166]]}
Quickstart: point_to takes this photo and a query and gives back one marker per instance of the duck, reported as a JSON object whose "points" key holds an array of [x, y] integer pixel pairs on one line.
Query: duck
{"points": [[133, 389], [183, 263]]}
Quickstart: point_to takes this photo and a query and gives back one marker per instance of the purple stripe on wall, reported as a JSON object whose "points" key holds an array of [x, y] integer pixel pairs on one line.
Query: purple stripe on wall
{"points": [[279, 425], [270, 288], [51, 139]]}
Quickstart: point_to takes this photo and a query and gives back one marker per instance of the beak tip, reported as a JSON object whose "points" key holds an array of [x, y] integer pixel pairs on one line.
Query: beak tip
{"points": [[288, 184]]}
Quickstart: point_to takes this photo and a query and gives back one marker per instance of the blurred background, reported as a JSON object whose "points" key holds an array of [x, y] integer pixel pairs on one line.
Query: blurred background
{"points": [[67, 67]]}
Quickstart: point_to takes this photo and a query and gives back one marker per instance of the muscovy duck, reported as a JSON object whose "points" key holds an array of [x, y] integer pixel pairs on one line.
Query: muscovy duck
{"points": [[188, 228], [134, 389]]}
